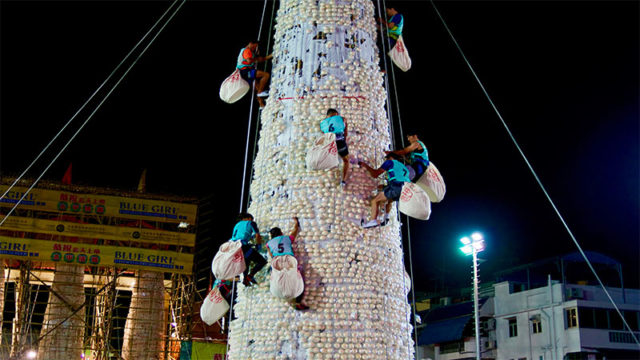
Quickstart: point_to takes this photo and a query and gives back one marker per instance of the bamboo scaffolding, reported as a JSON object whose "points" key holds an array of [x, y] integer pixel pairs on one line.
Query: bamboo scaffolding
{"points": [[144, 329], [62, 328]]}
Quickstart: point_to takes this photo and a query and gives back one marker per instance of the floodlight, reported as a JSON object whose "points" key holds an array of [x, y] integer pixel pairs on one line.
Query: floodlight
{"points": [[31, 354], [467, 249], [465, 240], [478, 245], [476, 236], [183, 225]]}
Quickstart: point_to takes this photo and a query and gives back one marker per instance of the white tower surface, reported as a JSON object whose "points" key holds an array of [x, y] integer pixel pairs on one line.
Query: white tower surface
{"points": [[325, 56]]}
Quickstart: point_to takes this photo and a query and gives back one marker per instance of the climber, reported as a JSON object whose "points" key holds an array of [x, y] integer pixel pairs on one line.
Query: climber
{"points": [[336, 124], [394, 24], [244, 230], [281, 245], [247, 60], [397, 175], [418, 155]]}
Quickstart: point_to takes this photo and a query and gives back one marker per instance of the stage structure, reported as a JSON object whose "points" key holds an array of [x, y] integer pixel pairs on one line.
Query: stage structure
{"points": [[95, 273], [325, 56]]}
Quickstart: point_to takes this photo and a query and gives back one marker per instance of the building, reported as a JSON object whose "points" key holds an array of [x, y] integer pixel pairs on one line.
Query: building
{"points": [[565, 319], [94, 273], [450, 331]]}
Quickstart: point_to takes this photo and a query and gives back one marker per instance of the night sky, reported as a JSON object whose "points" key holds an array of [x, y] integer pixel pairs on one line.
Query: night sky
{"points": [[563, 74]]}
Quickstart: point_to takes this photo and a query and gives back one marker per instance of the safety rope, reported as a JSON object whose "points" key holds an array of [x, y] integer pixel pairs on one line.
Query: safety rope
{"points": [[398, 217], [386, 77], [535, 175], [244, 170], [408, 219], [255, 146], [96, 108], [253, 90], [257, 131], [85, 103]]}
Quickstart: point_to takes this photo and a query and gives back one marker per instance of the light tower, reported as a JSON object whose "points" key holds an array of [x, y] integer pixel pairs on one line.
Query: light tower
{"points": [[472, 247], [325, 56]]}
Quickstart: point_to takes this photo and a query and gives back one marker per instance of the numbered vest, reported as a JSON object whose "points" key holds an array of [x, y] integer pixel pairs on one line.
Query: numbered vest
{"points": [[333, 124], [242, 63], [280, 246], [422, 156], [243, 231], [398, 172]]}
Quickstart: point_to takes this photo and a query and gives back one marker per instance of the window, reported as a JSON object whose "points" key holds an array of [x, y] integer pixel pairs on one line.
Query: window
{"points": [[451, 347], [632, 319], [602, 321], [587, 317], [536, 325], [615, 321], [571, 317], [513, 327]]}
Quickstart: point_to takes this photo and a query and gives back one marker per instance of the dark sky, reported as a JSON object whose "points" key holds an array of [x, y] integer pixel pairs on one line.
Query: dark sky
{"points": [[563, 74]]}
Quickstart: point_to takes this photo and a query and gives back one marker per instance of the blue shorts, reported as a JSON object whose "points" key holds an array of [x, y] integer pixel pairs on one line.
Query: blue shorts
{"points": [[420, 168], [248, 74], [393, 190]]}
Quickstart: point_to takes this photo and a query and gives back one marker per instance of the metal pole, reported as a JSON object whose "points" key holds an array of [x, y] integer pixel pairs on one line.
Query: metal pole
{"points": [[475, 300]]}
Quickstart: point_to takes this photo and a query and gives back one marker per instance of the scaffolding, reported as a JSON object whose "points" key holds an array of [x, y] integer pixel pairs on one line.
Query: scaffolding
{"points": [[120, 286]]}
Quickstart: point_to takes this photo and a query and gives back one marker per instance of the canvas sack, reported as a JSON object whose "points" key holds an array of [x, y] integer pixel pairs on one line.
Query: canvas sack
{"points": [[286, 280], [432, 183], [400, 55], [323, 155], [213, 307], [233, 88], [414, 202], [229, 261]]}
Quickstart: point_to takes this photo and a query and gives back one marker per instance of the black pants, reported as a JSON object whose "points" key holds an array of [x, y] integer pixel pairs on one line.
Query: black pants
{"points": [[251, 255], [225, 291]]}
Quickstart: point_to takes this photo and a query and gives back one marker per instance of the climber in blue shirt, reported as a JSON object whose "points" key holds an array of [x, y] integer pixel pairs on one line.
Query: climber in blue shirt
{"points": [[397, 175], [246, 64], [416, 154], [394, 24], [281, 245], [334, 123], [244, 231]]}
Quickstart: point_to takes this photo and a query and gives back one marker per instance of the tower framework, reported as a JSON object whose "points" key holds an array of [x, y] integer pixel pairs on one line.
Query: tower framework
{"points": [[325, 56]]}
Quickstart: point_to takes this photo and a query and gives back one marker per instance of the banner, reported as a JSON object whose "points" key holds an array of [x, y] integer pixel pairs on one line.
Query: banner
{"points": [[96, 204], [95, 255], [93, 231]]}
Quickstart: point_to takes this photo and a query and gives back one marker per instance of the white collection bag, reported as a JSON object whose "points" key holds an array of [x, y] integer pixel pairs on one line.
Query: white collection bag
{"points": [[286, 280], [414, 202], [400, 55], [229, 261], [233, 88], [213, 307], [432, 183], [323, 155]]}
